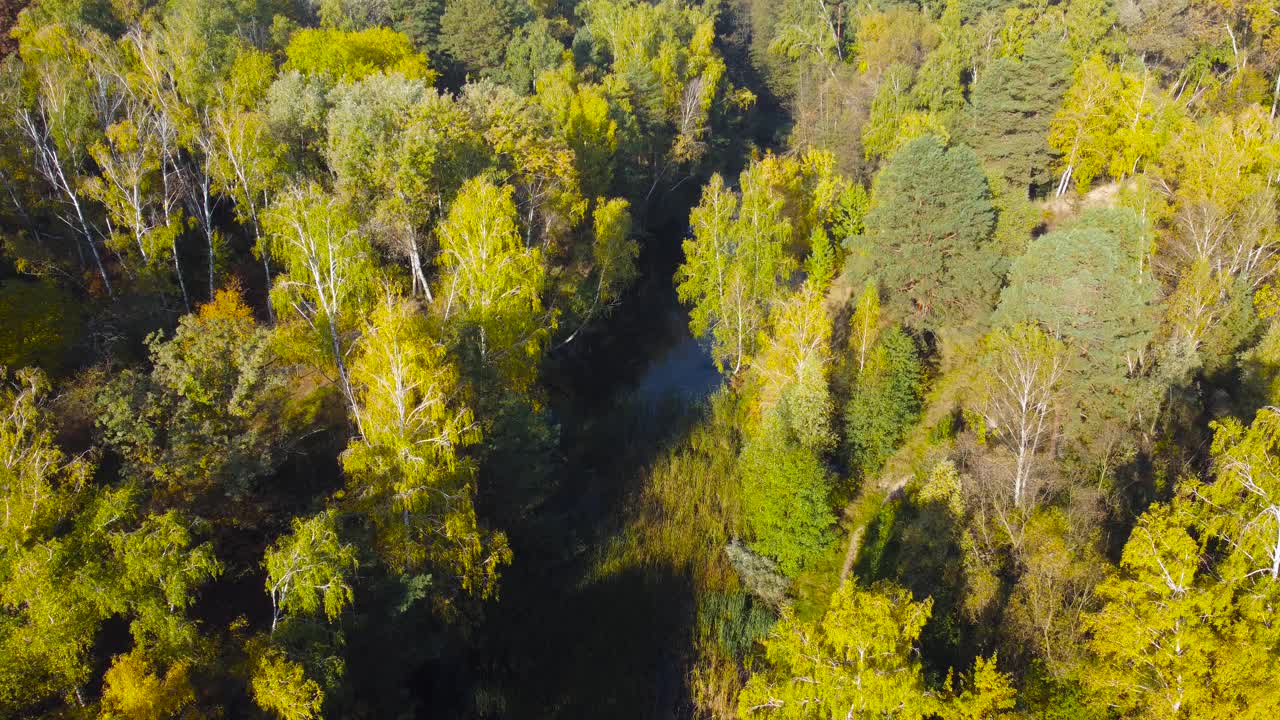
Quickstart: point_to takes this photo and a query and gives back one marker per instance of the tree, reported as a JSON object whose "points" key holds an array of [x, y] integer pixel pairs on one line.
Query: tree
{"points": [[896, 116], [327, 266], [135, 690], [1217, 213], [864, 324], [401, 151], [208, 415], [1245, 495], [1012, 103], [533, 158], [282, 687], [74, 555], [339, 56], [1059, 567], [1087, 286], [664, 53], [613, 254], [50, 617], [585, 117], [248, 164], [859, 661], [810, 29], [59, 128], [1184, 629], [491, 282], [531, 50], [420, 20], [885, 402], [929, 229], [786, 497], [795, 358], [158, 566], [476, 33], [1110, 121], [405, 471], [893, 36], [308, 570], [734, 265], [989, 694], [1020, 379], [1152, 635]]}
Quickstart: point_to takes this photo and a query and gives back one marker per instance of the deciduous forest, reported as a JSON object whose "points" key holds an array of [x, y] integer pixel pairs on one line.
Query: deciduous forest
{"points": [[713, 359]]}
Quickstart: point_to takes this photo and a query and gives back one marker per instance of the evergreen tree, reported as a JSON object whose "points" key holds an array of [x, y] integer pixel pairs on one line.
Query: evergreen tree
{"points": [[885, 401], [1012, 103], [928, 232]]}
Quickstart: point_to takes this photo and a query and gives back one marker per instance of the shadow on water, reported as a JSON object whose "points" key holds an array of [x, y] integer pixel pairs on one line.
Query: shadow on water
{"points": [[563, 641]]}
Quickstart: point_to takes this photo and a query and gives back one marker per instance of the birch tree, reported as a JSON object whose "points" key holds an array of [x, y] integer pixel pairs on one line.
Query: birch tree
{"points": [[1244, 497], [491, 282], [59, 126], [327, 264], [1020, 378], [734, 266], [247, 164], [406, 470], [858, 661], [308, 570]]}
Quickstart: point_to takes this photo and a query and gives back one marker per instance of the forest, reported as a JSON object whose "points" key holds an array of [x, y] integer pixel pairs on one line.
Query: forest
{"points": [[696, 359]]}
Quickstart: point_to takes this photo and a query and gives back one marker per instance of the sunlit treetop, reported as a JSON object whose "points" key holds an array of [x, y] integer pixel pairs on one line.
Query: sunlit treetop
{"points": [[350, 56]]}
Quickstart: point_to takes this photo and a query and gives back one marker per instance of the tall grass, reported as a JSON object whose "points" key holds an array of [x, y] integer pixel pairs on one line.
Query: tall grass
{"points": [[688, 507]]}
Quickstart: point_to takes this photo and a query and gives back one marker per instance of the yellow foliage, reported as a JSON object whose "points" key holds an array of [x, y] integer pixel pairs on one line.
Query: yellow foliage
{"points": [[134, 691], [227, 304]]}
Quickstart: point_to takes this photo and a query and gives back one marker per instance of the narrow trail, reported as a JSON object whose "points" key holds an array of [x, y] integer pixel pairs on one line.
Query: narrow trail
{"points": [[855, 538], [855, 543]]}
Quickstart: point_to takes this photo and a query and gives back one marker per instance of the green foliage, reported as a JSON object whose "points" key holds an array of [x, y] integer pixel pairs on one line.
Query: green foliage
{"points": [[794, 363], [425, 381], [1178, 632], [885, 402], [896, 118], [1012, 103], [613, 250], [737, 260], [584, 115], [420, 20], [328, 266], [929, 230], [1245, 495], [159, 570], [74, 555], [1110, 121], [308, 570], [1150, 635], [786, 498], [207, 417], [690, 507], [134, 689], [988, 694], [664, 53], [475, 33], [404, 470], [1087, 286], [531, 51], [282, 687], [733, 267]]}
